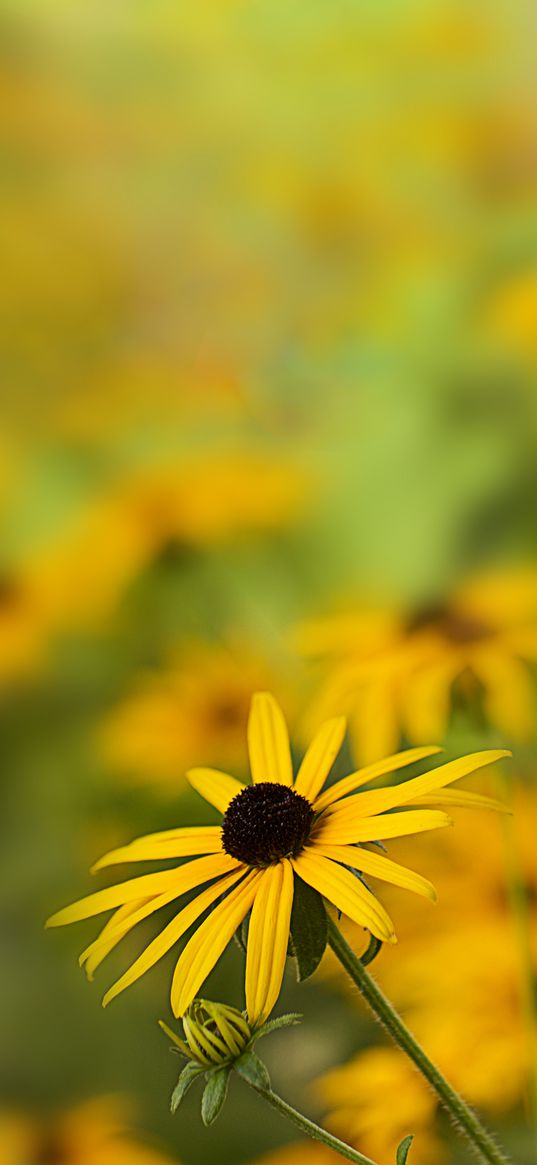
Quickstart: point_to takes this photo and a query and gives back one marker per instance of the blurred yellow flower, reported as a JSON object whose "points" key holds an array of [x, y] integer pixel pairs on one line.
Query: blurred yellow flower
{"points": [[462, 984], [512, 312], [397, 674], [272, 830], [194, 708], [82, 576], [96, 1132], [352, 1094], [76, 577]]}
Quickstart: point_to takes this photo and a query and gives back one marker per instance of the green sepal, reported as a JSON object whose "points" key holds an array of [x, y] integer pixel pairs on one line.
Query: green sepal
{"points": [[371, 953], [186, 1078], [402, 1151], [253, 1070], [309, 929], [273, 1025], [214, 1094]]}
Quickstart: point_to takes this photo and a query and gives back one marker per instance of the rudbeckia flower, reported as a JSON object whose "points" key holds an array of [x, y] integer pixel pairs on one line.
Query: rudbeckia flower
{"points": [[273, 830], [396, 673]]}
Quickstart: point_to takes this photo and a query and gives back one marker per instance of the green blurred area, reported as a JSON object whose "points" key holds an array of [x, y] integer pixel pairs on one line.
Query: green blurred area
{"points": [[302, 235]]}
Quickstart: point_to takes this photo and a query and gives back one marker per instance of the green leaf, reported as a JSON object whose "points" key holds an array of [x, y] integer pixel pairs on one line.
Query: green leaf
{"points": [[402, 1151], [309, 929], [253, 1070], [241, 935], [187, 1077], [214, 1095], [371, 953], [273, 1025]]}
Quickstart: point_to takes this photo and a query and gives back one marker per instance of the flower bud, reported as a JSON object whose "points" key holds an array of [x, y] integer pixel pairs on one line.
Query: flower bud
{"points": [[214, 1033]]}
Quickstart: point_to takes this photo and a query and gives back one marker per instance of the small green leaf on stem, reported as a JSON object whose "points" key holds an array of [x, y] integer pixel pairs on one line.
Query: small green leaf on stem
{"points": [[214, 1095], [402, 1151], [273, 1025], [253, 1070], [371, 952], [187, 1077]]}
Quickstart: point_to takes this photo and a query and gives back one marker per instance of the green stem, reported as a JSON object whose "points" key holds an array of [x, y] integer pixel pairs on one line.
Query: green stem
{"points": [[462, 1116], [310, 1128]]}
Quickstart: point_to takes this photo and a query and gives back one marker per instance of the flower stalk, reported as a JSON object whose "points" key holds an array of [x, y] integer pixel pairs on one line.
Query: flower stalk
{"points": [[219, 1040], [309, 1127], [461, 1114]]}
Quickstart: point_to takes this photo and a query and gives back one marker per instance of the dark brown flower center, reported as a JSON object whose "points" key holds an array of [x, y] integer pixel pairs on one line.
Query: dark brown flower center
{"points": [[454, 625], [266, 822]]}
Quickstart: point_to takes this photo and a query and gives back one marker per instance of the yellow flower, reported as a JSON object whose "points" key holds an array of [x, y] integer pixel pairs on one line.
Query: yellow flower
{"points": [[272, 830], [352, 1094], [395, 673], [195, 706], [94, 1133], [468, 954]]}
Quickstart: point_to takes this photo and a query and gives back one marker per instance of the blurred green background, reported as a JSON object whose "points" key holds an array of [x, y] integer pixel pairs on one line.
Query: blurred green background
{"points": [[270, 344]]}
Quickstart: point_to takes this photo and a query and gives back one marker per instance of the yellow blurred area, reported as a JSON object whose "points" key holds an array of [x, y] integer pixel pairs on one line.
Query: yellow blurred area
{"points": [[268, 420]]}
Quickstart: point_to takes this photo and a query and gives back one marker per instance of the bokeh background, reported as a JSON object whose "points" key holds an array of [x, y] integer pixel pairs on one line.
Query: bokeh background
{"points": [[269, 349]]}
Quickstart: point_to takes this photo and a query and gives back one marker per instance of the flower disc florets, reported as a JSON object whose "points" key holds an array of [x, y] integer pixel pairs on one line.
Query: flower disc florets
{"points": [[266, 822]]}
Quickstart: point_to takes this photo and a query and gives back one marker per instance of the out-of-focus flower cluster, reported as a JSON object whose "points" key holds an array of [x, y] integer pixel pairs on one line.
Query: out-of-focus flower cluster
{"points": [[97, 1132], [269, 420]]}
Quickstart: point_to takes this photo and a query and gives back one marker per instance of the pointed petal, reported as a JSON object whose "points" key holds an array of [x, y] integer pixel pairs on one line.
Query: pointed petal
{"points": [[268, 938], [345, 891], [342, 830], [172, 933], [462, 799], [320, 757], [181, 879], [509, 697], [116, 928], [203, 950], [268, 741], [197, 840], [379, 800], [217, 788], [377, 866], [427, 697], [379, 769], [119, 923]]}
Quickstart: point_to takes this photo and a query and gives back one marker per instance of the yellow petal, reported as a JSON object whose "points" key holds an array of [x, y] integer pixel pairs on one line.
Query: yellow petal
{"points": [[268, 741], [379, 800], [320, 757], [340, 830], [196, 840], [115, 929], [119, 923], [268, 938], [203, 950], [180, 880], [377, 866], [427, 697], [509, 698], [171, 933], [217, 788], [346, 892], [375, 717], [460, 798], [379, 769]]}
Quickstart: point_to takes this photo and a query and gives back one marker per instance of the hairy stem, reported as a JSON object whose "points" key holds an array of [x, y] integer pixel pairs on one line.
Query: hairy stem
{"points": [[462, 1116], [310, 1128]]}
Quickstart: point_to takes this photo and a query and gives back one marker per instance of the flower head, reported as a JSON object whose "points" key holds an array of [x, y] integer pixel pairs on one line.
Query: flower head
{"points": [[273, 831], [214, 1033], [397, 672]]}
